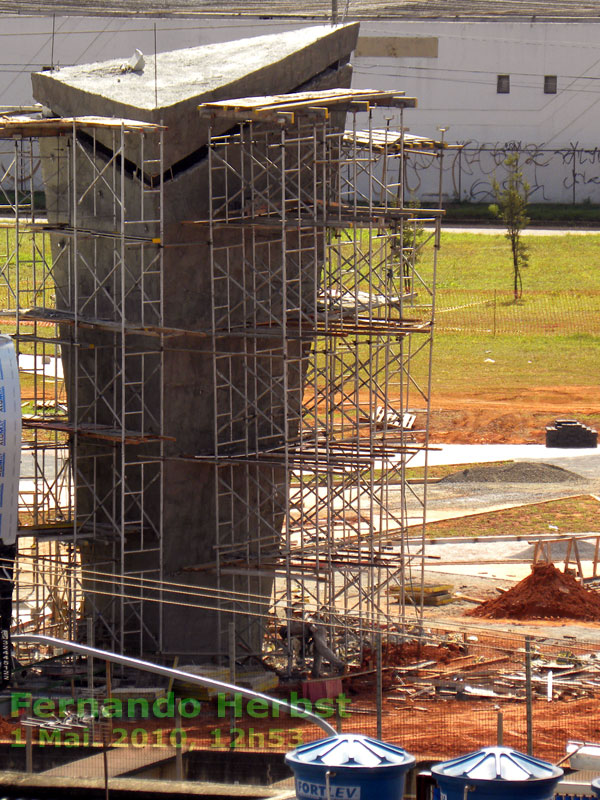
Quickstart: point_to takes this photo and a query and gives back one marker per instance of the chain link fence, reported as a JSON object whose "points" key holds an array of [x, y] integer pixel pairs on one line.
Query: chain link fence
{"points": [[438, 694], [495, 311]]}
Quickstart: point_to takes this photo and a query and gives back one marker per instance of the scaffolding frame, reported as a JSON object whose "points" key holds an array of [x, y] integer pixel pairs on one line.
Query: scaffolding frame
{"points": [[314, 342], [320, 311], [83, 425]]}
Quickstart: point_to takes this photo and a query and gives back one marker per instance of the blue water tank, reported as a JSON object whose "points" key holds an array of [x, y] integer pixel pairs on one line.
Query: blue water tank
{"points": [[349, 767], [486, 773]]}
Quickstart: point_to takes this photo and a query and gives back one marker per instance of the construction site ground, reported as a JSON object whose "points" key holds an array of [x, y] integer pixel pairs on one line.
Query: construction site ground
{"points": [[512, 425], [516, 415], [515, 422], [418, 713]]}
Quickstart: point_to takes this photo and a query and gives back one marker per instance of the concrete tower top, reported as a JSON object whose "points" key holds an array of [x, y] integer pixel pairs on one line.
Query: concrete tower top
{"points": [[259, 65], [279, 63]]}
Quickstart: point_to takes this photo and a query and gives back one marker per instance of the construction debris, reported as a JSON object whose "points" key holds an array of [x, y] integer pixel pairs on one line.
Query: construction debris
{"points": [[468, 598], [438, 595], [513, 472], [300, 635]]}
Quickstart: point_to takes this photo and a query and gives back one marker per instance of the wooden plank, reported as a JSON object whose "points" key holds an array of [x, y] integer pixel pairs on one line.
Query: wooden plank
{"points": [[391, 139], [488, 663], [33, 126], [305, 100], [97, 432], [468, 598], [440, 588], [269, 102]]}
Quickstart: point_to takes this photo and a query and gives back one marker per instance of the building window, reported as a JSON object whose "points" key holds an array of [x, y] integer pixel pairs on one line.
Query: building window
{"points": [[549, 84], [503, 84]]}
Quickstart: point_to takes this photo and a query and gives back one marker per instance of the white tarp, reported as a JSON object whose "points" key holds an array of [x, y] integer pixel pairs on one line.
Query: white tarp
{"points": [[10, 440]]}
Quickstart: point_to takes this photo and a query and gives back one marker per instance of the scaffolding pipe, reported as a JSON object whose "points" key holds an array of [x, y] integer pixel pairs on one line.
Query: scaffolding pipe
{"points": [[169, 672]]}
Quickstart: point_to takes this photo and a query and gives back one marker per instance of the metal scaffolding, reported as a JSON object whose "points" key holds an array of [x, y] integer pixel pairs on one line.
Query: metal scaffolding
{"points": [[79, 311], [320, 310], [320, 306]]}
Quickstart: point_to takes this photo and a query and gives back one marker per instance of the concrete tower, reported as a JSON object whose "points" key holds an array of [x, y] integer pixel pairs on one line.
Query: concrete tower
{"points": [[176, 512]]}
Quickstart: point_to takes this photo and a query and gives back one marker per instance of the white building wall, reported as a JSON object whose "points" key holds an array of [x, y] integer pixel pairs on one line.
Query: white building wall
{"points": [[456, 89]]}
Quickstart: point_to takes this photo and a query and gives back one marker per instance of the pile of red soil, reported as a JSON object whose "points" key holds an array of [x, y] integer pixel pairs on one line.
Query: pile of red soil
{"points": [[547, 593]]}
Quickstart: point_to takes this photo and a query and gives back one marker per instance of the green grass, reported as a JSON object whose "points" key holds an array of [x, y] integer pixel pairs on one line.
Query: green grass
{"points": [[571, 515], [555, 213], [556, 263], [561, 297], [460, 362], [473, 359], [34, 259]]}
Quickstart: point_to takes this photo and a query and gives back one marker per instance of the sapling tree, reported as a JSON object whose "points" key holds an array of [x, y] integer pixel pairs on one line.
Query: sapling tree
{"points": [[408, 250], [511, 208]]}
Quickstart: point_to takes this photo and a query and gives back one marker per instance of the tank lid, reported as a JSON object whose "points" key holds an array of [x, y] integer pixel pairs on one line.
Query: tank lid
{"points": [[350, 750], [497, 763]]}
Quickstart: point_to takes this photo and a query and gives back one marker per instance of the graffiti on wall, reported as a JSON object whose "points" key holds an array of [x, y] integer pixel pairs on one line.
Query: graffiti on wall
{"points": [[569, 174]]}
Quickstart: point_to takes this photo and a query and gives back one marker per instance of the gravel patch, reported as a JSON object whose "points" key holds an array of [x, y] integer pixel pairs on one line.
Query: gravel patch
{"points": [[517, 472]]}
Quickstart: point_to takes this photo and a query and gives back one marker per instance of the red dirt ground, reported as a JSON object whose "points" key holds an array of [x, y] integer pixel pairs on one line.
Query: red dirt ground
{"points": [[433, 728], [515, 416]]}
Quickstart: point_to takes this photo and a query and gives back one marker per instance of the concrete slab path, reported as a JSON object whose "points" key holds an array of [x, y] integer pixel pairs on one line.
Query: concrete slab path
{"points": [[494, 230], [584, 461]]}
